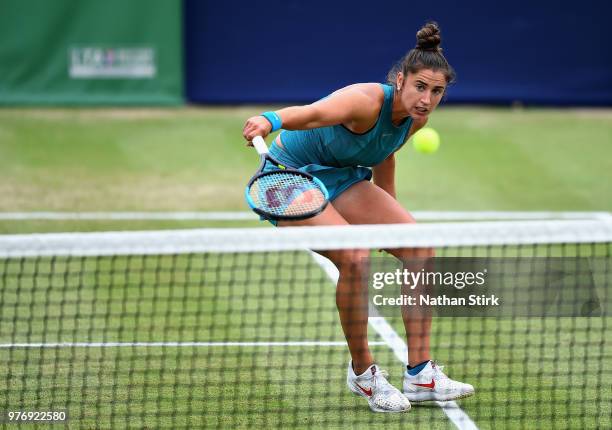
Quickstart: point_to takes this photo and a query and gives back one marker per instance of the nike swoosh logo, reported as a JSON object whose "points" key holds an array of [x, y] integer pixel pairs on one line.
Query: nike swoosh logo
{"points": [[367, 392], [431, 385]]}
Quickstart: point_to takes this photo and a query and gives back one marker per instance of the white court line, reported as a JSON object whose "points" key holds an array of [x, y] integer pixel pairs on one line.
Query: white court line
{"points": [[137, 216], [170, 344], [459, 418], [250, 216]]}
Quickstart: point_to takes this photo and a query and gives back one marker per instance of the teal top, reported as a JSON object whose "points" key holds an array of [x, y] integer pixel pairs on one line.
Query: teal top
{"points": [[337, 146]]}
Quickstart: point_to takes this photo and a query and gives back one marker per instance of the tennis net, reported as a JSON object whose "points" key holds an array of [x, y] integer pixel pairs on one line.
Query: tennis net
{"points": [[238, 328]]}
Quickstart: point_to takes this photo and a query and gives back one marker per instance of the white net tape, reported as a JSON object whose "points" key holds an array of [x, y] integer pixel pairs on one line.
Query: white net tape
{"points": [[297, 238]]}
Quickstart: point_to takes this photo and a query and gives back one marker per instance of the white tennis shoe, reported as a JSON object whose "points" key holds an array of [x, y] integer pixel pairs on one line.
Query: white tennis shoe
{"points": [[432, 384], [373, 385]]}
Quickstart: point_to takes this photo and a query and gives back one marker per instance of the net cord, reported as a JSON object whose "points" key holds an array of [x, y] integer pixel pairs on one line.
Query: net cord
{"points": [[233, 240]]}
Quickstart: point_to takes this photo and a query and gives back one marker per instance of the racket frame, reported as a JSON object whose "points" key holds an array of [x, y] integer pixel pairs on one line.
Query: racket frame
{"points": [[265, 157]]}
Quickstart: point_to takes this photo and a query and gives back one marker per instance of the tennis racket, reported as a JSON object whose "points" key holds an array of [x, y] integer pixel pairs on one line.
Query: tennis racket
{"points": [[283, 194]]}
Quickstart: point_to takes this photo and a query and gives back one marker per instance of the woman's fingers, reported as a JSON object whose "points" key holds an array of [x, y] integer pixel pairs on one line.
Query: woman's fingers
{"points": [[256, 126]]}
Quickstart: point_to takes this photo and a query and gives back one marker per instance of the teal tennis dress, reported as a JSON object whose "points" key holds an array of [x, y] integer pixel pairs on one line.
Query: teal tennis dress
{"points": [[337, 156]]}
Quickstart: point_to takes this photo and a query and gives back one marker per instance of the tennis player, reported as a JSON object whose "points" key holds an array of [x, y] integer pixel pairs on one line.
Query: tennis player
{"points": [[345, 140]]}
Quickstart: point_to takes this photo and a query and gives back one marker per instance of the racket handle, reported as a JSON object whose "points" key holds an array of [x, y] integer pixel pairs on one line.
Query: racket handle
{"points": [[260, 145]]}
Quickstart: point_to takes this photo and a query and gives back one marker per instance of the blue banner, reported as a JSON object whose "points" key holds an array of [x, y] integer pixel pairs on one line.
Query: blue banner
{"points": [[535, 52]]}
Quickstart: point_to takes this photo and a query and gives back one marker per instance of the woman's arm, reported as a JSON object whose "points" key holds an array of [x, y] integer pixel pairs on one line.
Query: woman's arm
{"points": [[384, 175], [356, 106]]}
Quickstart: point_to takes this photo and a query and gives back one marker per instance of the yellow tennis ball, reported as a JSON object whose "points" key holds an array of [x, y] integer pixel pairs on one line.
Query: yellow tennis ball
{"points": [[426, 140]]}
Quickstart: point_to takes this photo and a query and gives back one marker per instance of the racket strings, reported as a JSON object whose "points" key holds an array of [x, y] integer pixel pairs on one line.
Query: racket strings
{"points": [[285, 193]]}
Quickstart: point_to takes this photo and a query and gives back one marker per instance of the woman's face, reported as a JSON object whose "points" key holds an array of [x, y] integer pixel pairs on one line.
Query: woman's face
{"points": [[421, 92]]}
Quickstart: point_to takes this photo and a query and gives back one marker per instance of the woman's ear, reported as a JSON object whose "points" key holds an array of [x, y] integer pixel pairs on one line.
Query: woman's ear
{"points": [[399, 81]]}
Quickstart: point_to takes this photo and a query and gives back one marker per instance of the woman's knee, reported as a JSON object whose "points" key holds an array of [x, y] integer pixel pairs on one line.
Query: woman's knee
{"points": [[350, 260], [408, 252]]}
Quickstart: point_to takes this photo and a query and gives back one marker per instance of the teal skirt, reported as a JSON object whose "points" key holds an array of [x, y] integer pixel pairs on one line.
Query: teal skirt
{"points": [[336, 179]]}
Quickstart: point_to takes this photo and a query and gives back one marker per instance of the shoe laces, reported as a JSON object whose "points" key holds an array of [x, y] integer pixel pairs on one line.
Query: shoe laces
{"points": [[380, 380], [438, 371]]}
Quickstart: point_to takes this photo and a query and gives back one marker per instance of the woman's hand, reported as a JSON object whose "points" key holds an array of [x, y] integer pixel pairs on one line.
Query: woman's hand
{"points": [[256, 126]]}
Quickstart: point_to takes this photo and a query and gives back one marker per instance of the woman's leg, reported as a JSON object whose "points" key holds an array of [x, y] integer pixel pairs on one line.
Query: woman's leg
{"points": [[351, 291], [366, 203]]}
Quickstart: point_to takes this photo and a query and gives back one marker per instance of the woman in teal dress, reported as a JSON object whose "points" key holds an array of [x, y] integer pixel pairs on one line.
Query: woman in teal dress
{"points": [[345, 140]]}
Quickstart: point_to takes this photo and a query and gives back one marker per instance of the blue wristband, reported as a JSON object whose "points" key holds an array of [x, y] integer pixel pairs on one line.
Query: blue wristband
{"points": [[274, 119]]}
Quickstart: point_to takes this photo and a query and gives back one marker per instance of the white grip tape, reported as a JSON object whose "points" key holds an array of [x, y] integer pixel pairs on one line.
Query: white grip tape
{"points": [[260, 145]]}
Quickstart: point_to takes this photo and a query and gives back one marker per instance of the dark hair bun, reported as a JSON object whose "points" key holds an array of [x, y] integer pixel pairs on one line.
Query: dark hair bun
{"points": [[428, 37]]}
